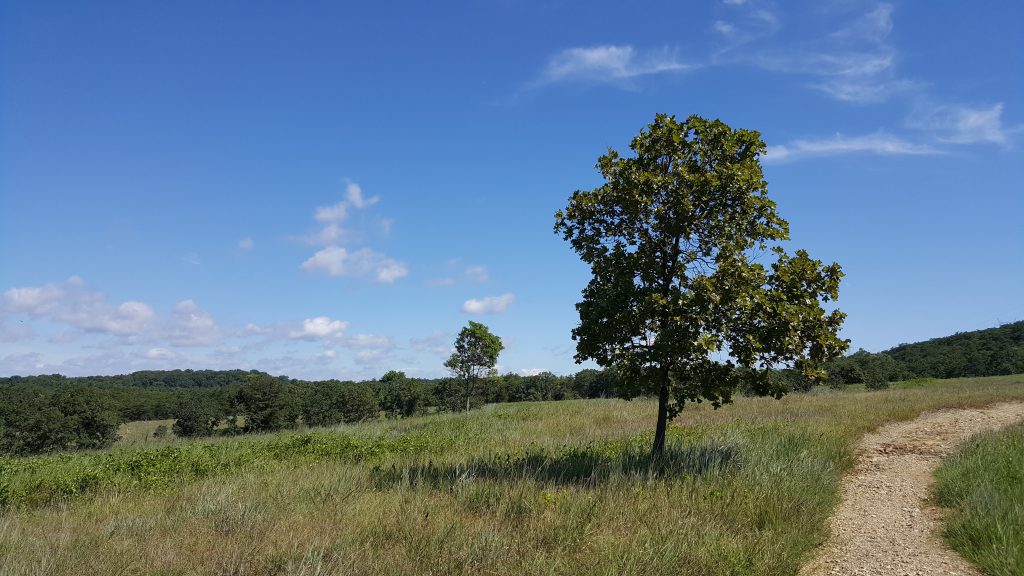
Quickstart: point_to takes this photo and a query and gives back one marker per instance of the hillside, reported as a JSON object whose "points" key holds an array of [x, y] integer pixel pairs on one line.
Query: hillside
{"points": [[990, 352]]}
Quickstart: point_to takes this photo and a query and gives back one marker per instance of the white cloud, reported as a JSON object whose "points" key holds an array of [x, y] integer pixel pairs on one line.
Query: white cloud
{"points": [[354, 196], [192, 258], [334, 213], [391, 270], [338, 261], [371, 357], [251, 329], [190, 325], [724, 28], [246, 244], [160, 354], [608, 64], [532, 371], [956, 124], [747, 27], [25, 363], [874, 26], [855, 63], [87, 311], [369, 341], [437, 343], [488, 305], [320, 328], [370, 349], [864, 91], [477, 274], [329, 234], [331, 260], [37, 301], [878, 143]]}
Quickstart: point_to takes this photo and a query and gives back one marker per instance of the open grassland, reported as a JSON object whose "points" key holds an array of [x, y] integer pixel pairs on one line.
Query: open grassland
{"points": [[984, 485], [553, 488], [143, 433]]}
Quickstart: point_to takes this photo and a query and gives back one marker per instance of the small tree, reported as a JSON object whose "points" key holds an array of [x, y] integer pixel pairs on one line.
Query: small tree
{"points": [[476, 354], [678, 303]]}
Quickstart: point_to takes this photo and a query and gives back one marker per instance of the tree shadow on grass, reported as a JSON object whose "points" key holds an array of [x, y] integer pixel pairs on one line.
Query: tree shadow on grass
{"points": [[585, 466]]}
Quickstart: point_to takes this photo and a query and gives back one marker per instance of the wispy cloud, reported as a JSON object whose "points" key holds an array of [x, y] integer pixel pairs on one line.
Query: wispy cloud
{"points": [[873, 26], [438, 343], [488, 305], [246, 244], [959, 124], [354, 196], [879, 143], [477, 274], [743, 26], [160, 354], [855, 62], [609, 64]]}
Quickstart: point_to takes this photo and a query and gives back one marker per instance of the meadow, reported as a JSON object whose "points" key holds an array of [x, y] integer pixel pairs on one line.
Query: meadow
{"points": [[549, 488], [983, 485]]}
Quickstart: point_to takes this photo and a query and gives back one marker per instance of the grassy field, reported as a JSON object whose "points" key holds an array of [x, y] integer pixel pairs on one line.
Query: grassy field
{"points": [[142, 433], [984, 485], [551, 488]]}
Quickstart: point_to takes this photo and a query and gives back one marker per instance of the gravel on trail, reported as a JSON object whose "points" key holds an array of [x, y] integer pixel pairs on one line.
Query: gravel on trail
{"points": [[886, 523]]}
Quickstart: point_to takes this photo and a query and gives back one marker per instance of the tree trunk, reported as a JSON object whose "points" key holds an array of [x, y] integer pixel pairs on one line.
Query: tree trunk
{"points": [[659, 432], [469, 391]]}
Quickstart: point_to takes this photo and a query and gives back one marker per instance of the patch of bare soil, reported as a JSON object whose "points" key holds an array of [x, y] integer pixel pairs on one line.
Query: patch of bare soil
{"points": [[886, 524]]}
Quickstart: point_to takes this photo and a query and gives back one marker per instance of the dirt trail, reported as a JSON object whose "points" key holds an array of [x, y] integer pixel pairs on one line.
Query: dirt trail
{"points": [[885, 524]]}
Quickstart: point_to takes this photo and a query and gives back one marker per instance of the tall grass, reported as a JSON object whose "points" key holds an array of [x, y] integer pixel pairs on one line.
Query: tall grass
{"points": [[547, 488], [983, 483]]}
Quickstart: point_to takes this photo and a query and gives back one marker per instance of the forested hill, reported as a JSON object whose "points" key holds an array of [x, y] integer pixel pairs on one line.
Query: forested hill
{"points": [[142, 379], [990, 352]]}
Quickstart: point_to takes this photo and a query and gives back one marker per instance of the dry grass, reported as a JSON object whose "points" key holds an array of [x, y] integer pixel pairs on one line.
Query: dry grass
{"points": [[552, 488], [141, 434]]}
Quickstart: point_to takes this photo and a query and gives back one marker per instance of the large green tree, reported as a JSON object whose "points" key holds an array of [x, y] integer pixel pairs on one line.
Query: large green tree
{"points": [[680, 303], [475, 356]]}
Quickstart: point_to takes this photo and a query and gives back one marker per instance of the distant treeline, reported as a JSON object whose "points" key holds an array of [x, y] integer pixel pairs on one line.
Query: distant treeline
{"points": [[54, 412], [991, 352]]}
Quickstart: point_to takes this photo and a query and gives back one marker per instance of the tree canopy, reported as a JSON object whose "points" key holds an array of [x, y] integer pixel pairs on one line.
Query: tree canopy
{"points": [[679, 302], [475, 356]]}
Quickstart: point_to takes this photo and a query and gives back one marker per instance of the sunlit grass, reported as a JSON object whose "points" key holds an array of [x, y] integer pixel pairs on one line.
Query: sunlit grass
{"points": [[552, 488], [983, 483]]}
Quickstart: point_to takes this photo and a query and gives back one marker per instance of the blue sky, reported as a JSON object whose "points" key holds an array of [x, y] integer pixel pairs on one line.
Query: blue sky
{"points": [[334, 189]]}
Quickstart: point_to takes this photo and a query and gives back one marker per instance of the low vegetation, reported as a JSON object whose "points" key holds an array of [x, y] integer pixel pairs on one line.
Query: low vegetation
{"points": [[554, 487], [984, 485]]}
